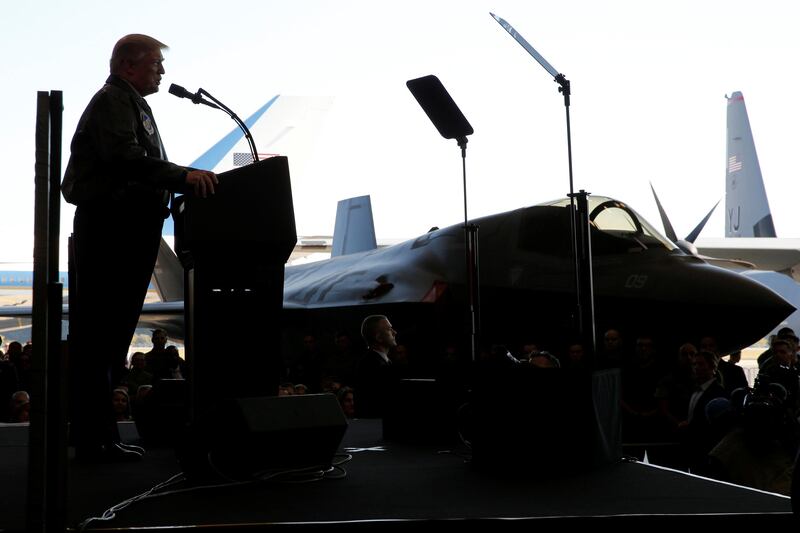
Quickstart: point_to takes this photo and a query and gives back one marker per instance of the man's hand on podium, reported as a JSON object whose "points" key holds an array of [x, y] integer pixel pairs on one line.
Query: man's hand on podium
{"points": [[202, 181]]}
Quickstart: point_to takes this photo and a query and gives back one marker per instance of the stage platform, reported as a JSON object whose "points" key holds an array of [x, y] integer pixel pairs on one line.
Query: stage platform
{"points": [[392, 486]]}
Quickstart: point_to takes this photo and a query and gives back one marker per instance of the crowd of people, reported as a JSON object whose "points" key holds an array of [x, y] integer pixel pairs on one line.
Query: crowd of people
{"points": [[15, 381], [693, 409]]}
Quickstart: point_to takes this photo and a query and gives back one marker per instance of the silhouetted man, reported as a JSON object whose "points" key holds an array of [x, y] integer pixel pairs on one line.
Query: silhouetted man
{"points": [[119, 178], [374, 372]]}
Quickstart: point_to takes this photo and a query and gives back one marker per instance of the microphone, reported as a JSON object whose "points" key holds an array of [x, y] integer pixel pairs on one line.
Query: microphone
{"points": [[197, 98], [180, 92]]}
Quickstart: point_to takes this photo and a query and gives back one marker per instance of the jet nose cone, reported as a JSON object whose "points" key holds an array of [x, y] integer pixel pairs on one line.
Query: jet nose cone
{"points": [[738, 311], [685, 300]]}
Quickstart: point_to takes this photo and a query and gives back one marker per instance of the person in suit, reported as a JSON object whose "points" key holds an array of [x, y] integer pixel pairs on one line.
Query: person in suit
{"points": [[374, 369], [701, 437]]}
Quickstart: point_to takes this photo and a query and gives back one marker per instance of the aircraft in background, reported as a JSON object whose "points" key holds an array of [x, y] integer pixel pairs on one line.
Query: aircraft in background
{"points": [[749, 231], [20, 276], [751, 245], [642, 282]]}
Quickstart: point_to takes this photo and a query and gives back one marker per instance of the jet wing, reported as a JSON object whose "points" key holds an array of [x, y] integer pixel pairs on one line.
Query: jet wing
{"points": [[781, 255], [406, 272]]}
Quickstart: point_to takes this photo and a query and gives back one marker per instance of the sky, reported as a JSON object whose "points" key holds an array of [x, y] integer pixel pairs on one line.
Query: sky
{"points": [[648, 105]]}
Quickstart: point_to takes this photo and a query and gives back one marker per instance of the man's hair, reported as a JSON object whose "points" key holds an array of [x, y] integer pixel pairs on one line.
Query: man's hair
{"points": [[780, 342], [710, 357], [369, 326], [132, 48]]}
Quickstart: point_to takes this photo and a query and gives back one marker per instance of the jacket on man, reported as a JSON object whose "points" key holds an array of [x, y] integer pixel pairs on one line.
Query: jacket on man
{"points": [[117, 154]]}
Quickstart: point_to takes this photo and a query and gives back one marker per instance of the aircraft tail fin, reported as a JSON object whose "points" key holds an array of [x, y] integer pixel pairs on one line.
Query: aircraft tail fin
{"points": [[746, 206], [354, 230], [168, 274]]}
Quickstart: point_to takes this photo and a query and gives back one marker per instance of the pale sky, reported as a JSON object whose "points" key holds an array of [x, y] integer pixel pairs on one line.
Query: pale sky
{"points": [[648, 98]]}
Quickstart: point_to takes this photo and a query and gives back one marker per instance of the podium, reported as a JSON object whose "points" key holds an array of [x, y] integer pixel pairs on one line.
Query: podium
{"points": [[233, 247]]}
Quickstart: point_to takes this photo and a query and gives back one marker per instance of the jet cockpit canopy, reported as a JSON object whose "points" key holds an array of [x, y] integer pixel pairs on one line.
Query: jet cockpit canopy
{"points": [[615, 219]]}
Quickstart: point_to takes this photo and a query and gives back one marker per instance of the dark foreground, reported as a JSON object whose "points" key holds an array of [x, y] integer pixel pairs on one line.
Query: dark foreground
{"points": [[392, 486]]}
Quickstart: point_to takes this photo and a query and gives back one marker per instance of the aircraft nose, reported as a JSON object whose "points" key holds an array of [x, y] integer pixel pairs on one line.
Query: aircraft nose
{"points": [[735, 308], [696, 299], [761, 303]]}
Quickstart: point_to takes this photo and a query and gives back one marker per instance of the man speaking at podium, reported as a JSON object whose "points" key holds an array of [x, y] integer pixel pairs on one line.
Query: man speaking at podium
{"points": [[119, 178]]}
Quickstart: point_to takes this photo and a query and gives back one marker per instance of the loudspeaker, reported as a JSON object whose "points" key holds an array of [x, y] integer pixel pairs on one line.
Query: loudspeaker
{"points": [[248, 438], [160, 415], [545, 420], [421, 411]]}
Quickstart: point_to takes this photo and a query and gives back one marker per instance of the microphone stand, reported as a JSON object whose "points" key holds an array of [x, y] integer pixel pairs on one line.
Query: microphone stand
{"points": [[581, 243], [236, 119]]}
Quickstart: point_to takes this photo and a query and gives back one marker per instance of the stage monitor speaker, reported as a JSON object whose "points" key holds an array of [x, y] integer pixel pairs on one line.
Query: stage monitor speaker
{"points": [[160, 414], [249, 438], [421, 411], [533, 420]]}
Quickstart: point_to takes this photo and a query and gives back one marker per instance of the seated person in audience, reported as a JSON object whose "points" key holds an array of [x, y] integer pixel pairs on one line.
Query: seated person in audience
{"points": [[347, 401], [543, 359], [20, 407], [137, 375], [122, 404]]}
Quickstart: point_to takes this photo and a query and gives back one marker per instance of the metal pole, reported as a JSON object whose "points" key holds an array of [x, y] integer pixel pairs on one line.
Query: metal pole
{"points": [[46, 510]]}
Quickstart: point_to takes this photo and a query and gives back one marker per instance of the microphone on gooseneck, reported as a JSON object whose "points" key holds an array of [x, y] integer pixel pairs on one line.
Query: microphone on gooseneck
{"points": [[196, 98]]}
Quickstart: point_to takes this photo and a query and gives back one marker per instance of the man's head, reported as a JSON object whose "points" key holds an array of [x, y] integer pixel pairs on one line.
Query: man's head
{"points": [[18, 398], [543, 360], [137, 59], [789, 337], [645, 349], [575, 352], [378, 333], [709, 344], [138, 361], [20, 406], [704, 364], [782, 351], [612, 340], [159, 339], [686, 353]]}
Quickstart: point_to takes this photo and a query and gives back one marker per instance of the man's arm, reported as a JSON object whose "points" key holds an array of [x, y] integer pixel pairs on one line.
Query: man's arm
{"points": [[115, 127]]}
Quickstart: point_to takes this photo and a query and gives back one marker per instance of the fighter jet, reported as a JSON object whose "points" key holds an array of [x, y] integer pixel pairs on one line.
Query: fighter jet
{"points": [[642, 283], [750, 245]]}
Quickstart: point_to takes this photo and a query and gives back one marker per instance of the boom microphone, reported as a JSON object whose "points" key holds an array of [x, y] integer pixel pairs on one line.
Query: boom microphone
{"points": [[197, 98]]}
